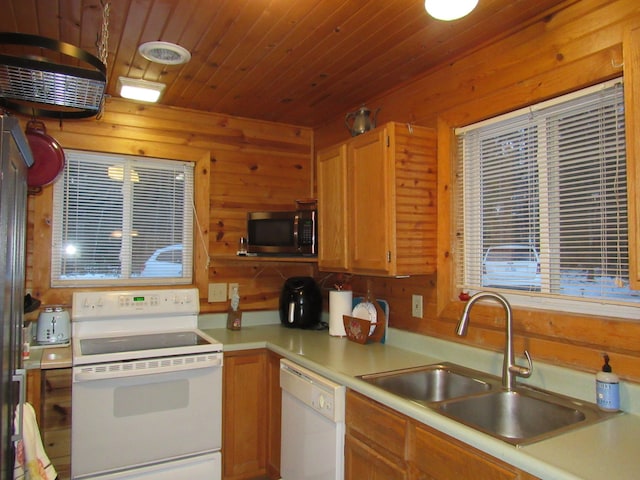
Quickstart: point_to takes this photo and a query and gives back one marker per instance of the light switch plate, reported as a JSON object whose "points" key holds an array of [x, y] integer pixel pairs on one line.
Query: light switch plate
{"points": [[217, 292], [416, 306]]}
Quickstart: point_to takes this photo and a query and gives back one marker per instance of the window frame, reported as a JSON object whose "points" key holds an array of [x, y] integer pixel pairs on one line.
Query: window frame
{"points": [[536, 300], [188, 212]]}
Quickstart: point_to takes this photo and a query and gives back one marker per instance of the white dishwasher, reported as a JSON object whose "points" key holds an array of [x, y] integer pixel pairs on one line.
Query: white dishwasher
{"points": [[312, 425]]}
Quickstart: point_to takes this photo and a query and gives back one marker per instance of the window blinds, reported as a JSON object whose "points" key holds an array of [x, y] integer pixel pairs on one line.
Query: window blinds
{"points": [[551, 178], [122, 220]]}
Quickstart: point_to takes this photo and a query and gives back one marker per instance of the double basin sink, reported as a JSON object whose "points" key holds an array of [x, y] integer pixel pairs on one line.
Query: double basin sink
{"points": [[521, 416]]}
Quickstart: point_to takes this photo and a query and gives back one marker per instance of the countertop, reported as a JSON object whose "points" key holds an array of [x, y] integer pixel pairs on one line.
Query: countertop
{"points": [[605, 450]]}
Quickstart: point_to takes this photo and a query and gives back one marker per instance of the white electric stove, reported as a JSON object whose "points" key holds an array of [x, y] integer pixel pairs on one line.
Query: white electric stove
{"points": [[147, 387]]}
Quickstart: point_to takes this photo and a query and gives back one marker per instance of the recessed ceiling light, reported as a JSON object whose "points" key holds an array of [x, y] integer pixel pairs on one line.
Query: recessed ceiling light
{"points": [[165, 53], [137, 89]]}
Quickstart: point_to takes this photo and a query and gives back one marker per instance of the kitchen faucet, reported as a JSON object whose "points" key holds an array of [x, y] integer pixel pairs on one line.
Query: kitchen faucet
{"points": [[509, 368]]}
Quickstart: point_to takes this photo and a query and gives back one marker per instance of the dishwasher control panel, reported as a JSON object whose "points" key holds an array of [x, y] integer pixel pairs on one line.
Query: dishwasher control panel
{"points": [[321, 394]]}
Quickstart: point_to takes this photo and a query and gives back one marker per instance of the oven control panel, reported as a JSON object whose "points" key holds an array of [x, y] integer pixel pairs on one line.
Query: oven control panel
{"points": [[107, 304]]}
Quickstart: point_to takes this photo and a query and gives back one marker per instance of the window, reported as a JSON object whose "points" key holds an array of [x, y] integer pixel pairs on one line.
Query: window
{"points": [[542, 204], [122, 220]]}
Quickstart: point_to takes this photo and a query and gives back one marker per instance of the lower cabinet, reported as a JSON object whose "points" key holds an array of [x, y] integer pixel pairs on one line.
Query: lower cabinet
{"points": [[364, 462], [251, 415], [274, 408], [384, 444], [55, 418]]}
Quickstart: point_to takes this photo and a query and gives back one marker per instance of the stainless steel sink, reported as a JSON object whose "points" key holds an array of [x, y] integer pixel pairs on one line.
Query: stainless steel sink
{"points": [[431, 383], [521, 416]]}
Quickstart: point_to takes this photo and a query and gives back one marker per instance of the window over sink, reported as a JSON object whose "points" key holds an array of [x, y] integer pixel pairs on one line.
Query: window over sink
{"points": [[122, 220], [541, 205]]}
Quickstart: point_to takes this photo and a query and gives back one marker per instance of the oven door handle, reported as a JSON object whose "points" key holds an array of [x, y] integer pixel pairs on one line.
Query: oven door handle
{"points": [[90, 373]]}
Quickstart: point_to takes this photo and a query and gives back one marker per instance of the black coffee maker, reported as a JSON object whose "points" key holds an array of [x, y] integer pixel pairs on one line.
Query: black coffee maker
{"points": [[300, 303]]}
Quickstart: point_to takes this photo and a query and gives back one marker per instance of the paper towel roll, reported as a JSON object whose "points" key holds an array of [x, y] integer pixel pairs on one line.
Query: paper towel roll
{"points": [[340, 303]]}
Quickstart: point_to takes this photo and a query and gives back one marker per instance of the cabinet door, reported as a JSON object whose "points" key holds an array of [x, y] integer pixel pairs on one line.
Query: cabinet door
{"points": [[274, 410], [361, 462], [370, 212], [332, 209], [244, 422], [631, 54], [56, 418], [437, 457]]}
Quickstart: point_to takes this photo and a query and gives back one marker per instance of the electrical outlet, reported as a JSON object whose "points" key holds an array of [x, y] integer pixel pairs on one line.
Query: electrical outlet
{"points": [[231, 287], [416, 306], [217, 292]]}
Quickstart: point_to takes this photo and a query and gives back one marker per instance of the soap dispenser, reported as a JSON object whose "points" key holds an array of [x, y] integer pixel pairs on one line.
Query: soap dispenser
{"points": [[607, 388]]}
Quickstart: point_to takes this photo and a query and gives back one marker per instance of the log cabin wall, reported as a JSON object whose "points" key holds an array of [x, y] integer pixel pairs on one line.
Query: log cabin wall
{"points": [[241, 165], [579, 46]]}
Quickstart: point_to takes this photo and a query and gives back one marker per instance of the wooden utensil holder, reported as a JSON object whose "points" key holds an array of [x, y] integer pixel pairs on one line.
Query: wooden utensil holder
{"points": [[358, 329]]}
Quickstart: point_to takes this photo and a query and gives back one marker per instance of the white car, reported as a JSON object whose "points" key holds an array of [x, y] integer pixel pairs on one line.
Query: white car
{"points": [[164, 262], [516, 266]]}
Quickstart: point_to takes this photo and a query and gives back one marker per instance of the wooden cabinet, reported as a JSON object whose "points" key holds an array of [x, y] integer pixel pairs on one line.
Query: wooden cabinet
{"points": [[244, 420], [332, 203], [375, 442], [435, 456], [274, 408], [377, 203], [55, 418], [364, 462], [384, 444], [631, 54], [251, 415]]}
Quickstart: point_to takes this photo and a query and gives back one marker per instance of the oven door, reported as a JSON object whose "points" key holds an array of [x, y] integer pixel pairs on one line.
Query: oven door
{"points": [[145, 413]]}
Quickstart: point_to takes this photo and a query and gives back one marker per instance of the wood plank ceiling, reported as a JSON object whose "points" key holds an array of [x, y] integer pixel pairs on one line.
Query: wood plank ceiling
{"points": [[303, 62]]}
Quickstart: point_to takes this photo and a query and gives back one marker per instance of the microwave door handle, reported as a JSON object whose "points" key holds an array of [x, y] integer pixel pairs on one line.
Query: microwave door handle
{"points": [[296, 233], [290, 317]]}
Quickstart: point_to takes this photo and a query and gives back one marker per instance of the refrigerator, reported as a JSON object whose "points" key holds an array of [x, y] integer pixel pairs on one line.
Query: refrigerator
{"points": [[16, 159]]}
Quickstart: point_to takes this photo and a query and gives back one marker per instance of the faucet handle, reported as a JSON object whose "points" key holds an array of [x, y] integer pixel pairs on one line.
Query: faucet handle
{"points": [[524, 372]]}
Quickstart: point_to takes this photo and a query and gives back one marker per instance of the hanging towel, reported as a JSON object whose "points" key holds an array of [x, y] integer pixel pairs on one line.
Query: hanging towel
{"points": [[31, 461]]}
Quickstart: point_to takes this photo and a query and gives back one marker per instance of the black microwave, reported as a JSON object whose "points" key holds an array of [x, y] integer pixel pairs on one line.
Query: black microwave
{"points": [[282, 233]]}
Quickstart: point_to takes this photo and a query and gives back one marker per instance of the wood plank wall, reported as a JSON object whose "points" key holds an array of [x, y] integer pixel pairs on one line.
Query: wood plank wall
{"points": [[579, 46], [241, 165]]}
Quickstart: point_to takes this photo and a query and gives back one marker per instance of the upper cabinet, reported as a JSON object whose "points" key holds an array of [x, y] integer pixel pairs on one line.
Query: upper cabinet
{"points": [[377, 203], [631, 52]]}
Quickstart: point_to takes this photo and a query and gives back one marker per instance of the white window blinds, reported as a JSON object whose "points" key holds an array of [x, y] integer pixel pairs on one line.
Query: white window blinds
{"points": [[542, 200], [122, 220]]}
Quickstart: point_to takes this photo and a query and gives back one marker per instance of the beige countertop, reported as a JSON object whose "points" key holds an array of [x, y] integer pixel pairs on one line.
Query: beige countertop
{"points": [[48, 357], [606, 449]]}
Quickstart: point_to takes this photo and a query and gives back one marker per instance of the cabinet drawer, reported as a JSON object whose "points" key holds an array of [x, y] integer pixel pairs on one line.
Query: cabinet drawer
{"points": [[439, 457], [376, 424]]}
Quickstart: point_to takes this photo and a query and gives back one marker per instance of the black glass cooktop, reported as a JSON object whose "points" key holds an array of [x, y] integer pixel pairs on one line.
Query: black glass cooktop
{"points": [[134, 343]]}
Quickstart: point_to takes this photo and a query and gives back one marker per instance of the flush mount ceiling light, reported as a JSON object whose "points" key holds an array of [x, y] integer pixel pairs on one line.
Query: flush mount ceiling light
{"points": [[449, 9], [143, 90], [165, 53]]}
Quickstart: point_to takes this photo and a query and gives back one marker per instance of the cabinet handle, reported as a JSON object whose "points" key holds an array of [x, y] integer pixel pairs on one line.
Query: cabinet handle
{"points": [[20, 377]]}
